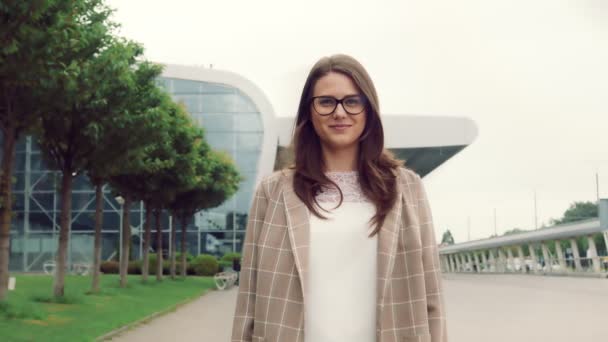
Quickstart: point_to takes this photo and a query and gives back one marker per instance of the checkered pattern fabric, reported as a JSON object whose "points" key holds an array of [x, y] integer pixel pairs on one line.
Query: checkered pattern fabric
{"points": [[273, 280]]}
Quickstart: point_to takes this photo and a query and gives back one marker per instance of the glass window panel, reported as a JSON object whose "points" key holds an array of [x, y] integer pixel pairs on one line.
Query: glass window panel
{"points": [[247, 161], [19, 181], [18, 201], [215, 243], [185, 86], [109, 246], [36, 162], [40, 221], [20, 146], [243, 201], [111, 220], [240, 238], [82, 245], [44, 181], [244, 104], [248, 123], [249, 141], [83, 221], [81, 200], [163, 83], [17, 221], [217, 103], [192, 102], [81, 182], [221, 141], [42, 201], [19, 161], [216, 88], [216, 122]]}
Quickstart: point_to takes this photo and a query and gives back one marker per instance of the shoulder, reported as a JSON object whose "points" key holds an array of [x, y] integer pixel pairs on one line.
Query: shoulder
{"points": [[408, 176], [270, 182]]}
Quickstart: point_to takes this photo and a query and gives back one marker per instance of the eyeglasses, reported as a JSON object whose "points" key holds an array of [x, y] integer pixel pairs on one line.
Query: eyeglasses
{"points": [[326, 105]]}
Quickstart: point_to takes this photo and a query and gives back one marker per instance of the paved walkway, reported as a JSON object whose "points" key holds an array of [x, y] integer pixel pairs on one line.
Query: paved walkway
{"points": [[480, 308], [207, 319]]}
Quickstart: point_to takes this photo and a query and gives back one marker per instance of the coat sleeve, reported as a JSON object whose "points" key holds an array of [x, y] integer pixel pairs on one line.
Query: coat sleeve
{"points": [[242, 326], [432, 268]]}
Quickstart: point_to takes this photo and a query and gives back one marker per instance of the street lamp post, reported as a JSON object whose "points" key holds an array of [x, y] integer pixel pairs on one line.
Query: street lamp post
{"points": [[120, 200]]}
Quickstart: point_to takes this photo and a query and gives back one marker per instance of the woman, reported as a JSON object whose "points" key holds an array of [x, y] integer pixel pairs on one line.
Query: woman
{"points": [[340, 246]]}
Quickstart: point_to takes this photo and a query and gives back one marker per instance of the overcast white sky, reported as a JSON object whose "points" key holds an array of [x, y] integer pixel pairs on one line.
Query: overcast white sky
{"points": [[533, 75]]}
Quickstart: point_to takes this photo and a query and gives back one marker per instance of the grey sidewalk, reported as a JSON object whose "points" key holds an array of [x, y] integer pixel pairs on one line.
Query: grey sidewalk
{"points": [[497, 308], [206, 319]]}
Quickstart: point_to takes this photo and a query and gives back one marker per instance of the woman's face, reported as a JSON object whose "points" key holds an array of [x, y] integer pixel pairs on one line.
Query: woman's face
{"points": [[338, 130]]}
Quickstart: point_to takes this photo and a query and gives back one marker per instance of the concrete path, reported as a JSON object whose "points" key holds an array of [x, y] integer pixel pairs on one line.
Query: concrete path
{"points": [[207, 319], [480, 308]]}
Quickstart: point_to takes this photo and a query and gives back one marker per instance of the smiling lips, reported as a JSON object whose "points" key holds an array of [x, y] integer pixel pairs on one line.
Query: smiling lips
{"points": [[340, 127]]}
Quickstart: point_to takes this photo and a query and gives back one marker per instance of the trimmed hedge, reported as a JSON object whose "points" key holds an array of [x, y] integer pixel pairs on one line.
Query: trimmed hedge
{"points": [[205, 265], [202, 265]]}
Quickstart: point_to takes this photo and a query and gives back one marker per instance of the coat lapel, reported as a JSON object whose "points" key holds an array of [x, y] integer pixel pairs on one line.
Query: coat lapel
{"points": [[298, 227]]}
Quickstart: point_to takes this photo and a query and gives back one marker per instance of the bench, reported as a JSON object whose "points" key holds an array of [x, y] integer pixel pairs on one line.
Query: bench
{"points": [[225, 280], [77, 268]]}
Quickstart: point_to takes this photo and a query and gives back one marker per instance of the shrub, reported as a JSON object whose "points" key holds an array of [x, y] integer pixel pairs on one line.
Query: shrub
{"points": [[134, 267], [205, 265], [178, 257], [109, 267], [228, 257]]}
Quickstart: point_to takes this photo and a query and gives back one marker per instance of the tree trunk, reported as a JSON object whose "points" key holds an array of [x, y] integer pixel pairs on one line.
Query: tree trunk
{"points": [[97, 243], [172, 249], [145, 267], [126, 241], [6, 206], [159, 247], [65, 221], [183, 261]]}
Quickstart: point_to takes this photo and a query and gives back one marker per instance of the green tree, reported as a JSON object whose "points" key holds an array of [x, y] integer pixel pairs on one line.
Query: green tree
{"points": [[33, 45], [576, 212], [218, 180], [124, 132], [157, 174], [447, 238], [64, 97]]}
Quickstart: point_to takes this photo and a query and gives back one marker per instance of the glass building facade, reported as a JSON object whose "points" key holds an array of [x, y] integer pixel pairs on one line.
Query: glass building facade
{"points": [[232, 123]]}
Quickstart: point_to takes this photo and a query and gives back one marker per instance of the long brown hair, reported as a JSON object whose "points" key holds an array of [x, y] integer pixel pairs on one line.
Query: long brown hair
{"points": [[377, 167]]}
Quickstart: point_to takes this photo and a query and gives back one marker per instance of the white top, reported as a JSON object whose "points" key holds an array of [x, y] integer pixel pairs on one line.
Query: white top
{"points": [[341, 298]]}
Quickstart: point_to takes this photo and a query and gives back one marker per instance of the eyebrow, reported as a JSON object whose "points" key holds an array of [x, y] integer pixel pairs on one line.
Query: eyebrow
{"points": [[347, 95]]}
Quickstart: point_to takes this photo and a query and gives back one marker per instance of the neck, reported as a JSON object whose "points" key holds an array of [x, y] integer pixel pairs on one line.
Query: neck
{"points": [[339, 160]]}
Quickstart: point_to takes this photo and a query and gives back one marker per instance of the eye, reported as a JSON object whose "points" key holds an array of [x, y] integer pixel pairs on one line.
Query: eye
{"points": [[326, 101], [353, 101]]}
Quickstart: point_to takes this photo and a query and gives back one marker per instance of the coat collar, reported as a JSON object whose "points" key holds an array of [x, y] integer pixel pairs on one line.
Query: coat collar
{"points": [[298, 226]]}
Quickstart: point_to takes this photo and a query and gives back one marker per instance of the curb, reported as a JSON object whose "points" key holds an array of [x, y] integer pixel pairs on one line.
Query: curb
{"points": [[602, 275], [129, 326]]}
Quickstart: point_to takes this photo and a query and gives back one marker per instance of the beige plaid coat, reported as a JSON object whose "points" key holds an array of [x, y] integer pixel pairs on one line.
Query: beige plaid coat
{"points": [[273, 279]]}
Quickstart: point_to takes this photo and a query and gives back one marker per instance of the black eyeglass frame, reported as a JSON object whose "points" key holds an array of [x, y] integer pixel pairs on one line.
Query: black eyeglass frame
{"points": [[339, 101]]}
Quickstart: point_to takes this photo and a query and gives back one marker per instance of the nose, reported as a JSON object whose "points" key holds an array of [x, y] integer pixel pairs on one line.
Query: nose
{"points": [[340, 112]]}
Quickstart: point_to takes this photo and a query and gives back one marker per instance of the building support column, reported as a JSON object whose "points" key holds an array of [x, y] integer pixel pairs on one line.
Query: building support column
{"points": [[484, 259], [560, 256], [492, 261], [546, 257], [458, 265], [501, 260], [476, 256], [511, 260], [451, 261], [532, 250], [576, 255], [594, 257], [522, 259]]}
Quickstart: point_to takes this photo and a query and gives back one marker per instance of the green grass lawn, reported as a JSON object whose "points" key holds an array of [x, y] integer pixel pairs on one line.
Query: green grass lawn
{"points": [[28, 316]]}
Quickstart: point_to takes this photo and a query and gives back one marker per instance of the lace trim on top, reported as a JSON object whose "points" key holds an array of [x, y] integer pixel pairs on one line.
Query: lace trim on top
{"points": [[348, 181]]}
